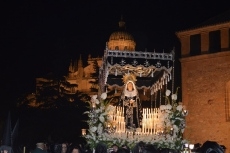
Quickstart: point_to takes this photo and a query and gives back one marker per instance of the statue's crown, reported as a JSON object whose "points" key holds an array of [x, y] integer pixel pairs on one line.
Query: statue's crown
{"points": [[129, 77]]}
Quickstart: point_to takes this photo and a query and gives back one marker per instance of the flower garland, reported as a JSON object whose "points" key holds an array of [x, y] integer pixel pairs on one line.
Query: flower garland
{"points": [[171, 118]]}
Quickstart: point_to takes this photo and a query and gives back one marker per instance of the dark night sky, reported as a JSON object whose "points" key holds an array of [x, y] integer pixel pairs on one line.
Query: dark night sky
{"points": [[38, 37]]}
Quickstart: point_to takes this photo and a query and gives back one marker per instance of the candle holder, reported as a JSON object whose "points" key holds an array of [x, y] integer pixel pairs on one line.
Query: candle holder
{"points": [[110, 129]]}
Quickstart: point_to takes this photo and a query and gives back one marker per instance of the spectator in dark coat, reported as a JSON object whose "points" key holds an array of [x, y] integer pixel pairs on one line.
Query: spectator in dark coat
{"points": [[40, 148], [5, 148]]}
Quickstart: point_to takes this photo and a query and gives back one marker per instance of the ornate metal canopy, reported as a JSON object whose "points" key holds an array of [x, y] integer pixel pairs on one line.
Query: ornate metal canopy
{"points": [[153, 70]]}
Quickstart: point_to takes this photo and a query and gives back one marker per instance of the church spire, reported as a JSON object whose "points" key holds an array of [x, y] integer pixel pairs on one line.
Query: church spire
{"points": [[80, 62], [80, 68], [71, 69]]}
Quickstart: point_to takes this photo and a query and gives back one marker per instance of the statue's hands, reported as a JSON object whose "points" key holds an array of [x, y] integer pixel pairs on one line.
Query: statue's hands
{"points": [[131, 101]]}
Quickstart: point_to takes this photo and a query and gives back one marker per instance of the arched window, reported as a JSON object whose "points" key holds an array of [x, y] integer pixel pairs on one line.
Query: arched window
{"points": [[116, 48]]}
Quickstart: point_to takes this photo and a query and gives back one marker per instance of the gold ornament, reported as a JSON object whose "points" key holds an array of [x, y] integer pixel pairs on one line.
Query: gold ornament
{"points": [[129, 77]]}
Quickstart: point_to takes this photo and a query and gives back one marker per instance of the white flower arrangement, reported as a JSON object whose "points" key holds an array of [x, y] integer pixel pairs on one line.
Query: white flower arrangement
{"points": [[172, 116], [175, 114], [99, 116]]}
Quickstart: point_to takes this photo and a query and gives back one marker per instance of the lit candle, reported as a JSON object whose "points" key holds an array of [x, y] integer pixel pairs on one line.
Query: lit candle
{"points": [[94, 105], [114, 124], [171, 131], [83, 132]]}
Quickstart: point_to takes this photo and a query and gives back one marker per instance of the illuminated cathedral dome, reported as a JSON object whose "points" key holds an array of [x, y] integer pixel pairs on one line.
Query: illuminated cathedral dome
{"points": [[121, 35], [121, 39]]}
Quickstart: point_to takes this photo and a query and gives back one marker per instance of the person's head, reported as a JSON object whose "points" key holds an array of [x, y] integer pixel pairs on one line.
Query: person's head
{"points": [[130, 86], [64, 147], [150, 148], [115, 147], [75, 149], [101, 148], [5, 151], [123, 150], [40, 145], [139, 147]]}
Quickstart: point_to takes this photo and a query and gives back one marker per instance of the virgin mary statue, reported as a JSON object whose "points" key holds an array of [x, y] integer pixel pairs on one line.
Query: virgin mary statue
{"points": [[131, 102]]}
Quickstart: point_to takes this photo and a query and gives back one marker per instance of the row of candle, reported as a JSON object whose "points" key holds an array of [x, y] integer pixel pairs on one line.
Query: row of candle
{"points": [[119, 119], [150, 120]]}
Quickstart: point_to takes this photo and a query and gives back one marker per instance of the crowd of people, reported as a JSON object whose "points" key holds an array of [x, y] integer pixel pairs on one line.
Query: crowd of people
{"points": [[42, 147], [140, 147]]}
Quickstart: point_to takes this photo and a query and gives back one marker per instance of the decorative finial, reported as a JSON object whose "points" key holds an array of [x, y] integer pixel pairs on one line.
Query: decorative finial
{"points": [[121, 23]]}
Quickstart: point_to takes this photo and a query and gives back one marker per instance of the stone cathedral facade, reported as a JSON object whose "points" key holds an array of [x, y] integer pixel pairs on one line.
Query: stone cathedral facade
{"points": [[84, 79]]}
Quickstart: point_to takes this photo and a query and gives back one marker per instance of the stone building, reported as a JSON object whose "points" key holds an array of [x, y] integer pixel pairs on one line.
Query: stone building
{"points": [[81, 77], [205, 73], [84, 79]]}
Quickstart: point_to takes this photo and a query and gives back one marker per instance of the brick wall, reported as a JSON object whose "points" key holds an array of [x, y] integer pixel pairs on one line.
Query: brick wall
{"points": [[204, 80]]}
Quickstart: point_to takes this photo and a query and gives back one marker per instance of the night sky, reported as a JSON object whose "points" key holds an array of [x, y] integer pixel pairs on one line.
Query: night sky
{"points": [[38, 37]]}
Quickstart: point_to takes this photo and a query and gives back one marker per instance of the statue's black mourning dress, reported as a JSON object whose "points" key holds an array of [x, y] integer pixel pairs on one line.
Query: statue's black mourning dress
{"points": [[132, 107]]}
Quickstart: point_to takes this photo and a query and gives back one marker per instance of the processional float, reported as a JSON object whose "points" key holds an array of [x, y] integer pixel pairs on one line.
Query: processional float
{"points": [[136, 101]]}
